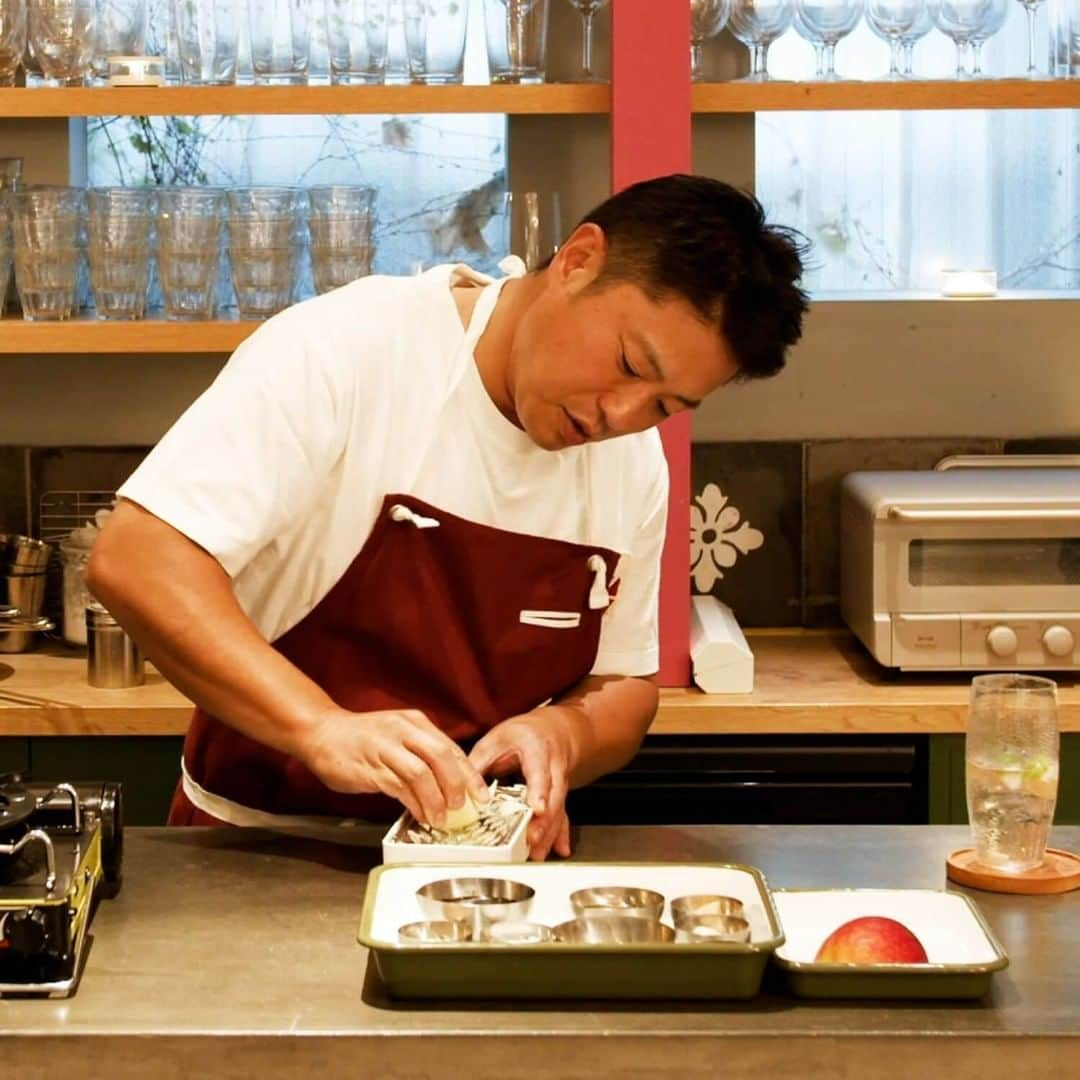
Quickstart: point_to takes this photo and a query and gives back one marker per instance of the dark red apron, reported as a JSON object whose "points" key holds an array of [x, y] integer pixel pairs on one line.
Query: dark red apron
{"points": [[468, 623]]}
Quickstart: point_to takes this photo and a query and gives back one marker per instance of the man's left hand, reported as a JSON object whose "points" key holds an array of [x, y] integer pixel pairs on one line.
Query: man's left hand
{"points": [[539, 744]]}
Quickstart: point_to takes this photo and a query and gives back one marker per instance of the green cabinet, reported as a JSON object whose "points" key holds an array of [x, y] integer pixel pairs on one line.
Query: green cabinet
{"points": [[948, 799]]}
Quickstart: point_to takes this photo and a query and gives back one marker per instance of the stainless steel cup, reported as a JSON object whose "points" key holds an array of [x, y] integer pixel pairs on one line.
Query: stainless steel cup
{"points": [[23, 565], [114, 661]]}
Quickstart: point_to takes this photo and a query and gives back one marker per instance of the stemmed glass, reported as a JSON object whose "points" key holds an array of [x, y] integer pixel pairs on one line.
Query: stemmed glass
{"points": [[823, 23], [587, 9], [916, 32], [970, 22], [757, 24], [1030, 7], [893, 21], [707, 19]]}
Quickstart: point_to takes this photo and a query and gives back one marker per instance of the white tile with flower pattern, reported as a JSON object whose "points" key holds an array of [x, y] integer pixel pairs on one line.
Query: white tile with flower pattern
{"points": [[717, 538]]}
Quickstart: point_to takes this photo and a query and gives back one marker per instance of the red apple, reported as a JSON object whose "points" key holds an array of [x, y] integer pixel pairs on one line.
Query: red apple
{"points": [[872, 939]]}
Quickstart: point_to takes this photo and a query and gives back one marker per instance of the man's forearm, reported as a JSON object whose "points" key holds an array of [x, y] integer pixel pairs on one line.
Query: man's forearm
{"points": [[607, 717], [178, 603]]}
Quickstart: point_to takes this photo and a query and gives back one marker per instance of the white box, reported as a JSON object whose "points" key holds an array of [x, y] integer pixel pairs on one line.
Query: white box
{"points": [[722, 661], [515, 850]]}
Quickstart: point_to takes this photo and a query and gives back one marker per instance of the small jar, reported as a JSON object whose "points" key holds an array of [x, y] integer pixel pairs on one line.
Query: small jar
{"points": [[113, 660], [76, 596]]}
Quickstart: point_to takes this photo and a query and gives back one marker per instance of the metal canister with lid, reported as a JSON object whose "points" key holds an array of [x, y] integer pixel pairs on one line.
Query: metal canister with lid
{"points": [[114, 661]]}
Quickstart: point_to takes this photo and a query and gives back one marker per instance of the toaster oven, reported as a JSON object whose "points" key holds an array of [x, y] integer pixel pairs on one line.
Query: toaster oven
{"points": [[974, 569]]}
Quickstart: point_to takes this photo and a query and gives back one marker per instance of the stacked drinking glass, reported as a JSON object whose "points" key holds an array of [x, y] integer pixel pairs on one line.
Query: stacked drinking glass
{"points": [[264, 241], [120, 230], [340, 219], [48, 227], [188, 234]]}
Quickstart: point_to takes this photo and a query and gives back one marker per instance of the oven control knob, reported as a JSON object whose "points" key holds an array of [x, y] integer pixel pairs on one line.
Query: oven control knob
{"points": [[26, 933], [1001, 641], [1058, 640]]}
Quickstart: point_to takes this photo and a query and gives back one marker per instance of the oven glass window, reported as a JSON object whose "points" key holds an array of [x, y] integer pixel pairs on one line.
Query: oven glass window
{"points": [[1039, 560]]}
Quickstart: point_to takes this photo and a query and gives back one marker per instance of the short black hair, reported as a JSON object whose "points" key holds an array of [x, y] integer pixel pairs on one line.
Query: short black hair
{"points": [[708, 242]]}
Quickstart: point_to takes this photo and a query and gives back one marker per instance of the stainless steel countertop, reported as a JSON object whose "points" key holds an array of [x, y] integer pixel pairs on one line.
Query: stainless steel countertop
{"points": [[231, 952]]}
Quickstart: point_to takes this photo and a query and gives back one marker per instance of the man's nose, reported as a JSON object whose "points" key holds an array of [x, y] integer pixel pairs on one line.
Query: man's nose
{"points": [[628, 409]]}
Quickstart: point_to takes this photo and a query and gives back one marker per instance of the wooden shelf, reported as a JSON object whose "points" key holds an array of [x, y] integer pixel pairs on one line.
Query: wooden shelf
{"points": [[808, 683], [551, 98], [144, 336], [737, 97]]}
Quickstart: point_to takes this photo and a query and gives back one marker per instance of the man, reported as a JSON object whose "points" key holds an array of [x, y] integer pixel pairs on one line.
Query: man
{"points": [[421, 514]]}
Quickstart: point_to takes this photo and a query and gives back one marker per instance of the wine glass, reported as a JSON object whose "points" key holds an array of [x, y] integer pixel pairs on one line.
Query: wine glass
{"points": [[587, 9], [707, 19], [965, 21], [757, 24], [823, 23], [891, 20], [915, 33], [995, 19], [1030, 7]]}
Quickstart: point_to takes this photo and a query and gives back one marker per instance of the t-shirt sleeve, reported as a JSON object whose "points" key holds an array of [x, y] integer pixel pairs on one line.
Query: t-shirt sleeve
{"points": [[252, 451], [629, 634]]}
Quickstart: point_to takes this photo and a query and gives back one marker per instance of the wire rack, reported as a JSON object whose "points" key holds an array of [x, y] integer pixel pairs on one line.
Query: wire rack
{"points": [[58, 513]]}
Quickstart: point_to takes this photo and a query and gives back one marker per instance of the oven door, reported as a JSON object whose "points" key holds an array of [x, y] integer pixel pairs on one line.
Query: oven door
{"points": [[970, 560]]}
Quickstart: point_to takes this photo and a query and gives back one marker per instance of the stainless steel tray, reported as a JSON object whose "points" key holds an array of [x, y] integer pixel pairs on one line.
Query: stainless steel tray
{"points": [[487, 970]]}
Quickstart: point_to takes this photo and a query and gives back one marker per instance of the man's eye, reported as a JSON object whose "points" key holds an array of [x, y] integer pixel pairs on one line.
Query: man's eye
{"points": [[627, 369]]}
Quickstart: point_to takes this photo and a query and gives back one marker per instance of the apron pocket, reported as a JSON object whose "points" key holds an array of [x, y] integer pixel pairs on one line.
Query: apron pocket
{"points": [[552, 620]]}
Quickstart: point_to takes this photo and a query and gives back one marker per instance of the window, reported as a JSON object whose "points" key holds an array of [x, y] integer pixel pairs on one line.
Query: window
{"points": [[439, 177], [890, 199]]}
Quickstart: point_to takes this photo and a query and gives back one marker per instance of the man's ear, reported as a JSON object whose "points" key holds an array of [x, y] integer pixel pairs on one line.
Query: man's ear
{"points": [[580, 260]]}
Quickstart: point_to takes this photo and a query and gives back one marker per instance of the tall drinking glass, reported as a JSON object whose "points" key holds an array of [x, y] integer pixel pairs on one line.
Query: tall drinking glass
{"points": [[48, 226], [206, 41], [1011, 758], [119, 30], [12, 39], [280, 40], [61, 36], [5, 246], [435, 40], [10, 177], [516, 36], [264, 237], [340, 219], [119, 227], [188, 249], [357, 33]]}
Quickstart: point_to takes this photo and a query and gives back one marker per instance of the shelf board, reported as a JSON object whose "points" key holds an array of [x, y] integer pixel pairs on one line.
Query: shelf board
{"points": [[554, 98], [739, 97], [141, 336]]}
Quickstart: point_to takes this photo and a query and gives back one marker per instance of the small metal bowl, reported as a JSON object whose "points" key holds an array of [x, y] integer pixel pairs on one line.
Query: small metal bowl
{"points": [[477, 902], [519, 933], [705, 904], [430, 933], [711, 930], [596, 929], [617, 900]]}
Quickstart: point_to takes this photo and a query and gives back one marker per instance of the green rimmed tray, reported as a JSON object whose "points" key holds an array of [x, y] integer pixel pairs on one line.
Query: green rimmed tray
{"points": [[484, 970], [963, 952]]}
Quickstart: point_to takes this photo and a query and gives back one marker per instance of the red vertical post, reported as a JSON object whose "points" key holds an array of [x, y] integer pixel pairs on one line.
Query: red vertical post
{"points": [[650, 136]]}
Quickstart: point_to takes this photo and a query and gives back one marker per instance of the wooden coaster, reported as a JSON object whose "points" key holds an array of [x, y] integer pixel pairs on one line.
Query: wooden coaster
{"points": [[1059, 873]]}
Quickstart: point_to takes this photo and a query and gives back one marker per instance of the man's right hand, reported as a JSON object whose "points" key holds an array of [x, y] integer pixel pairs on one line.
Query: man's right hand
{"points": [[398, 752]]}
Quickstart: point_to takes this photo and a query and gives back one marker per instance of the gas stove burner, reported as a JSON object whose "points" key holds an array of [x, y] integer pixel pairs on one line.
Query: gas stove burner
{"points": [[61, 849], [16, 807]]}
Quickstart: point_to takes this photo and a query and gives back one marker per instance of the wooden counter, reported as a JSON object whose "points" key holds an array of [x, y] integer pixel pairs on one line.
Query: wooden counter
{"points": [[808, 682]]}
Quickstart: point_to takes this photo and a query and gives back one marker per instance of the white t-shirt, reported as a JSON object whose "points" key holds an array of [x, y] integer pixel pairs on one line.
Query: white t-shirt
{"points": [[279, 468]]}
